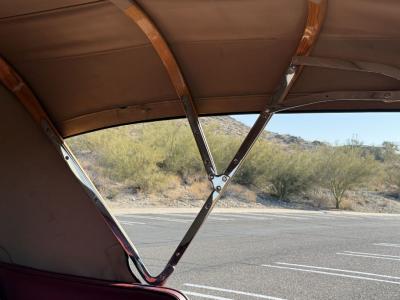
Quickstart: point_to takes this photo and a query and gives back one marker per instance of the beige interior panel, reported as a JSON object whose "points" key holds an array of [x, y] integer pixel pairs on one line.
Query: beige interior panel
{"points": [[47, 220]]}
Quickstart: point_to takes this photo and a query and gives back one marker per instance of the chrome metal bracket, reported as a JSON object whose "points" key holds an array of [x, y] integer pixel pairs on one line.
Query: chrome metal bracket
{"points": [[199, 136]]}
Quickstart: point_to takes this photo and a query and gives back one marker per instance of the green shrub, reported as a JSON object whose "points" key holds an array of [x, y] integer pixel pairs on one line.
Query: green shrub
{"points": [[287, 171], [123, 158], [341, 168]]}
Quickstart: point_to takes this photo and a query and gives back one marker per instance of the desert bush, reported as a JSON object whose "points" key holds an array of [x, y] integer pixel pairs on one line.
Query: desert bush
{"points": [[392, 176], [179, 153], [163, 156], [122, 158], [289, 171], [341, 168], [223, 147], [346, 204]]}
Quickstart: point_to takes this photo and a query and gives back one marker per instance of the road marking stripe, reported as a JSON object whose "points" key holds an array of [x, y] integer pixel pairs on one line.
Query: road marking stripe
{"points": [[387, 245], [280, 216], [246, 217], [343, 215], [296, 215], [340, 270], [205, 295], [372, 254], [232, 291], [131, 223], [369, 256], [333, 274], [191, 218], [220, 219], [160, 219]]}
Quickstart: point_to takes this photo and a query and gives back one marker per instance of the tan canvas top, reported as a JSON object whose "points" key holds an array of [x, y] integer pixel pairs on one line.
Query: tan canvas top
{"points": [[92, 67]]}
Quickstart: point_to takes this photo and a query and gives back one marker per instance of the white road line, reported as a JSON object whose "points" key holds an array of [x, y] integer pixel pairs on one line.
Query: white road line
{"points": [[205, 295], [340, 270], [334, 274], [279, 216], [368, 256], [344, 215], [372, 254], [296, 215], [131, 223], [387, 245], [221, 219], [232, 291], [246, 217], [191, 218], [160, 219]]}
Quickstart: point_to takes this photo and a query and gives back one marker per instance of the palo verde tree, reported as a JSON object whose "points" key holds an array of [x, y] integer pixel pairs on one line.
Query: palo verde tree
{"points": [[341, 168], [391, 161]]}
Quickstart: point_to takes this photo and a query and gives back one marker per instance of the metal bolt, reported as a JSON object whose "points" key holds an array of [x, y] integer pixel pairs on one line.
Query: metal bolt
{"points": [[235, 161], [218, 188], [292, 69], [211, 177], [224, 178], [66, 158]]}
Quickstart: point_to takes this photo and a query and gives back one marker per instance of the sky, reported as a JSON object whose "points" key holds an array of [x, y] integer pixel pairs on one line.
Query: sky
{"points": [[370, 128]]}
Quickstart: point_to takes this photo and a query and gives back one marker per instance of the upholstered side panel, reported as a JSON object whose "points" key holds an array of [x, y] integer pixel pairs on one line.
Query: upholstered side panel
{"points": [[46, 219]]}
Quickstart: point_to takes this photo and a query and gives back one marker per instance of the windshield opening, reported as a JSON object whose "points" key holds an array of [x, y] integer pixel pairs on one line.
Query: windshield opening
{"points": [[316, 202]]}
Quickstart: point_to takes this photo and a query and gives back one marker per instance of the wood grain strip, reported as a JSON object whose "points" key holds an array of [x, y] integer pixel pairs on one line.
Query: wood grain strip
{"points": [[316, 15], [13, 82], [161, 47]]}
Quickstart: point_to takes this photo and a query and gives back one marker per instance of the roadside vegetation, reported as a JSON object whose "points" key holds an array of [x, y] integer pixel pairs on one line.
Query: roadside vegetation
{"points": [[160, 161]]}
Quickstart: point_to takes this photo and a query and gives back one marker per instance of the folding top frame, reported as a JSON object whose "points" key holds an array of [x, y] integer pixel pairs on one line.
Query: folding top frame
{"points": [[219, 180]]}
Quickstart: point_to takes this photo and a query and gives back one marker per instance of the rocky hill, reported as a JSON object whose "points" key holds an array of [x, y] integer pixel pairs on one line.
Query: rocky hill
{"points": [[230, 126]]}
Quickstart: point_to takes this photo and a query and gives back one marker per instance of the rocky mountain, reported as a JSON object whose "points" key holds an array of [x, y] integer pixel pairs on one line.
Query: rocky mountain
{"points": [[230, 126]]}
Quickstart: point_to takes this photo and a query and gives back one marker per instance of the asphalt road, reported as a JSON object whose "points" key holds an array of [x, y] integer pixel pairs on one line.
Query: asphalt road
{"points": [[307, 255]]}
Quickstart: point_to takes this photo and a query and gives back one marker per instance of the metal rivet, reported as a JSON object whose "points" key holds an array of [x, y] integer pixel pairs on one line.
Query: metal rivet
{"points": [[211, 177], [224, 178], [235, 161], [218, 188], [66, 158]]}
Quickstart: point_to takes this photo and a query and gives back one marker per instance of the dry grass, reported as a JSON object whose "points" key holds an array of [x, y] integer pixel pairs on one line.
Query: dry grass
{"points": [[199, 190], [346, 204], [321, 198], [241, 193]]}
